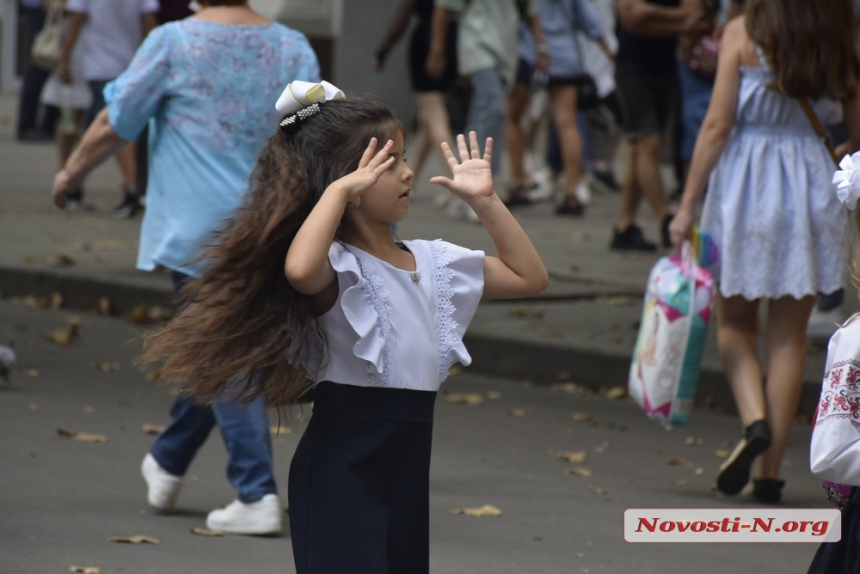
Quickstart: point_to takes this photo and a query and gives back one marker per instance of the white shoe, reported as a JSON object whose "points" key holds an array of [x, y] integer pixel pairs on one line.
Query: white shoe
{"points": [[163, 487], [260, 517], [583, 193]]}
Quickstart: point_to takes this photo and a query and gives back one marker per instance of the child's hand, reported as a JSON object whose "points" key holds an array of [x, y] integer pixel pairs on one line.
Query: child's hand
{"points": [[473, 176], [370, 167]]}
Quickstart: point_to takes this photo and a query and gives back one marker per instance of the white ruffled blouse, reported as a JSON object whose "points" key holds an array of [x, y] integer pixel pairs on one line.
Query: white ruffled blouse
{"points": [[395, 328]]}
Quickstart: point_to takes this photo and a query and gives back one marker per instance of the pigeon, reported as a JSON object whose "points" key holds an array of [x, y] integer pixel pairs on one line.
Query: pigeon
{"points": [[7, 359]]}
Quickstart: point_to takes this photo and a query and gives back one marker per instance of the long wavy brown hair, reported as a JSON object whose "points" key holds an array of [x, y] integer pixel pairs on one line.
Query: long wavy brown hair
{"points": [[808, 43], [241, 330]]}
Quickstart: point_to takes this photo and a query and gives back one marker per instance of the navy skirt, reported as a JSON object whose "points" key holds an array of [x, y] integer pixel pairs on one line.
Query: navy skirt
{"points": [[842, 556], [359, 482]]}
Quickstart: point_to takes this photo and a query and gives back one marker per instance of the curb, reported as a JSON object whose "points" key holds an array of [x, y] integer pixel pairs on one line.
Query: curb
{"points": [[539, 365]]}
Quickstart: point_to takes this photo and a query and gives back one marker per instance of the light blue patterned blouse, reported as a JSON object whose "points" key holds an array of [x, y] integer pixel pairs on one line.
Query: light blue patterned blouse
{"points": [[208, 93]]}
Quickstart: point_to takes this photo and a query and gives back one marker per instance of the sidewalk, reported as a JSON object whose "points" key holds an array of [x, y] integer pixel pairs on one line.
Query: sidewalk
{"points": [[583, 328]]}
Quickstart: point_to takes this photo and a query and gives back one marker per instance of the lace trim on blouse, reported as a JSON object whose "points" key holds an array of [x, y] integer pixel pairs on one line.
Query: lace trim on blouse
{"points": [[446, 325]]}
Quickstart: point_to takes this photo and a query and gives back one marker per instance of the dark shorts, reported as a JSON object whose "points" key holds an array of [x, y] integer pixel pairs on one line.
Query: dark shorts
{"points": [[647, 100], [526, 76], [419, 46], [97, 88]]}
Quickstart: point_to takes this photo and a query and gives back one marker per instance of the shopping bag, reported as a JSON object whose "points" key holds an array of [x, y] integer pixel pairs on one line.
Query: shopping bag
{"points": [[668, 353], [47, 44]]}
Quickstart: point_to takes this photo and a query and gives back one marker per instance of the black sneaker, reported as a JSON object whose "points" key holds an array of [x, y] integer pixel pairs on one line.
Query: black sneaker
{"points": [[631, 239], [604, 181], [519, 195], [129, 207], [75, 200]]}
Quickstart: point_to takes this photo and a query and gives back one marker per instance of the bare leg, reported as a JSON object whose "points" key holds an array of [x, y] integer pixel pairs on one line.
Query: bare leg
{"points": [[631, 193], [434, 121], [563, 103], [785, 340], [648, 175], [737, 333], [518, 99], [419, 146]]}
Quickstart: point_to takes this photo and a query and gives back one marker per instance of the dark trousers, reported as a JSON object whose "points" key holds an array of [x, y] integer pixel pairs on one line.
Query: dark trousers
{"points": [[31, 90]]}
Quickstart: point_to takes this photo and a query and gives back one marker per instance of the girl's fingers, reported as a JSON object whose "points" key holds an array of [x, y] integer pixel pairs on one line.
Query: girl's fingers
{"points": [[368, 153], [383, 167], [442, 180], [473, 142], [381, 156], [488, 151], [461, 147], [449, 155]]}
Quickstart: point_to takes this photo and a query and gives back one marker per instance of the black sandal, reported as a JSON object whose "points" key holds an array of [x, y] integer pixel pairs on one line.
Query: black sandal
{"points": [[735, 472], [518, 195], [768, 490], [570, 206]]}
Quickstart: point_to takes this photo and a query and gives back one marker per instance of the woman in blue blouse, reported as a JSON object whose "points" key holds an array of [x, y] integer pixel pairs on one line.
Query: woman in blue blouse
{"points": [[205, 86]]}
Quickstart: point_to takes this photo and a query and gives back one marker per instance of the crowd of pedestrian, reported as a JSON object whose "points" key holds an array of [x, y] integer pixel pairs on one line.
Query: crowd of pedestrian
{"points": [[741, 98]]}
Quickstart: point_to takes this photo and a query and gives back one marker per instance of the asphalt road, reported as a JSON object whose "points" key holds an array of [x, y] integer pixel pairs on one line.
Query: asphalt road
{"points": [[61, 500]]}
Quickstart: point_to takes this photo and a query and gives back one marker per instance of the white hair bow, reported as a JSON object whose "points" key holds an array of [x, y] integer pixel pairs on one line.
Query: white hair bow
{"points": [[299, 99], [847, 181]]}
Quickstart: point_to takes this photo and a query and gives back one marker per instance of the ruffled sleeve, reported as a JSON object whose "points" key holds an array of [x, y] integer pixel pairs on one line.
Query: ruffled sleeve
{"points": [[459, 282], [364, 305]]}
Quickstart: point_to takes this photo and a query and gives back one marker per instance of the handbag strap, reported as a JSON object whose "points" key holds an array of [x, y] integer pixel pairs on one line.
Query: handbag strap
{"points": [[819, 129]]}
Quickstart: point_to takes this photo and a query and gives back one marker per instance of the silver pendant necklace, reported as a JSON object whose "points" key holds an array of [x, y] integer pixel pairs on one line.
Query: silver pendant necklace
{"points": [[416, 277]]}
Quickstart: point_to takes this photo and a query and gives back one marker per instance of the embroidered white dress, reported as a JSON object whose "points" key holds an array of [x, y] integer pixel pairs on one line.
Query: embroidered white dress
{"points": [[396, 328]]}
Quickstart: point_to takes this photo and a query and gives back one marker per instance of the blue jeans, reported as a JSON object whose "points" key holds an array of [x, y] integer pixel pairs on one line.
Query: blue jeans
{"points": [[33, 82], [244, 428], [487, 112]]}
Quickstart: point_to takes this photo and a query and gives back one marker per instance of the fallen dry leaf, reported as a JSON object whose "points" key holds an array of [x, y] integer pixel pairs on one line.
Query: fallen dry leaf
{"points": [[105, 306], [579, 471], [722, 453], [60, 260], [455, 370], [203, 532], [578, 236], [582, 417], [616, 393], [34, 406], [82, 436], [676, 461], [699, 471], [577, 457], [144, 315], [494, 395], [139, 539], [108, 367], [681, 482], [85, 569], [518, 413], [518, 311], [471, 399], [32, 373], [279, 430], [571, 389], [151, 429], [56, 301], [694, 441], [64, 336], [89, 410], [485, 510]]}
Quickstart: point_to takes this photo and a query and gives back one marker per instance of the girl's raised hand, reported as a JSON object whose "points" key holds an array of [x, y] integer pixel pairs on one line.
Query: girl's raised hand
{"points": [[473, 175], [370, 167]]}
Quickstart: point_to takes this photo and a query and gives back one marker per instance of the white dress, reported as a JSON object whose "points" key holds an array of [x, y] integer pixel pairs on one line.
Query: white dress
{"points": [[76, 95], [770, 206]]}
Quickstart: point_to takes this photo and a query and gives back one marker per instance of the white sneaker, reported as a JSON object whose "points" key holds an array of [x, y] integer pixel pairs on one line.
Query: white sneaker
{"points": [[583, 193], [163, 487], [260, 517]]}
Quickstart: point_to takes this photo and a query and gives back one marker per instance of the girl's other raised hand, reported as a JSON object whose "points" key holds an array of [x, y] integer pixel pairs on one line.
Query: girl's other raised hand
{"points": [[371, 166], [473, 175]]}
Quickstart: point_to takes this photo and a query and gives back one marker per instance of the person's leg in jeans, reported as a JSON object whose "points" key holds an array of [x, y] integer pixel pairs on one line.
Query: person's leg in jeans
{"points": [[245, 430], [487, 112]]}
